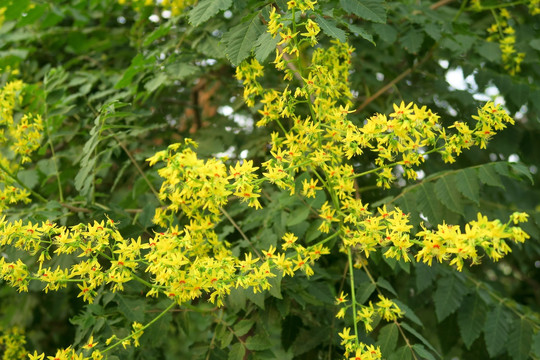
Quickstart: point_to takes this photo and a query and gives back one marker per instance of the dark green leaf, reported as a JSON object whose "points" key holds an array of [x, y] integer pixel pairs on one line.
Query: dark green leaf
{"points": [[467, 184], [520, 339], [412, 40], [490, 50], [298, 215], [329, 27], [240, 40], [205, 9], [256, 298], [258, 342], [265, 45], [471, 318], [448, 296], [133, 309], [361, 32], [364, 291], [488, 175], [243, 326], [496, 330], [408, 313], [447, 192], [275, 285], [372, 10], [237, 352], [387, 339], [403, 353], [387, 32], [424, 276], [535, 44], [28, 177], [433, 30], [522, 170], [428, 203], [382, 282], [420, 350], [424, 341]]}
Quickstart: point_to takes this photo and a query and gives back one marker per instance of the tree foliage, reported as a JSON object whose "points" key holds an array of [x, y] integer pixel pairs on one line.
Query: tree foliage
{"points": [[224, 179]]}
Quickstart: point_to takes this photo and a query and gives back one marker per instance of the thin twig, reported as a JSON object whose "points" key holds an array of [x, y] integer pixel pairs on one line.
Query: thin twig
{"points": [[224, 212], [134, 162], [398, 78], [440, 3]]}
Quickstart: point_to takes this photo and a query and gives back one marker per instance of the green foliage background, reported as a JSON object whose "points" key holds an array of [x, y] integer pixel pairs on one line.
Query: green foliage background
{"points": [[122, 81]]}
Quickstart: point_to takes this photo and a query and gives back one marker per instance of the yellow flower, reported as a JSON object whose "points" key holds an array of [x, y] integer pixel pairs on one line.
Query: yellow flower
{"points": [[90, 343]]}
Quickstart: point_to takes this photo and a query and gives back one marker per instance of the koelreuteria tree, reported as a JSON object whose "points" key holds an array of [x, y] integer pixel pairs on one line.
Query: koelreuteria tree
{"points": [[223, 179]]}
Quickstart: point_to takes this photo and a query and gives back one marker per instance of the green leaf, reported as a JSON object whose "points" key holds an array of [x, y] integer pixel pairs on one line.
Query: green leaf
{"points": [[138, 63], [424, 276], [298, 215], [386, 32], [467, 184], [496, 330], [275, 285], [309, 339], [403, 353], [490, 51], [428, 203], [412, 40], [256, 298], [424, 341], [433, 30], [471, 318], [329, 27], [522, 170], [243, 326], [237, 352], [408, 313], [536, 344], [361, 32], [364, 291], [258, 342], [224, 335], [422, 352], [85, 176], [133, 309], [28, 177], [372, 10], [206, 9], [265, 45], [488, 175], [535, 44], [450, 291], [447, 192], [241, 39], [382, 282], [407, 202], [156, 82], [520, 339], [387, 339], [156, 34], [181, 71]]}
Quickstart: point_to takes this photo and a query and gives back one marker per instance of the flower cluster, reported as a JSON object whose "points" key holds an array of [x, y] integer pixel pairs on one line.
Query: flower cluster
{"points": [[20, 136], [503, 33], [318, 139], [449, 242], [197, 187], [12, 343]]}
